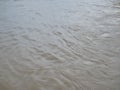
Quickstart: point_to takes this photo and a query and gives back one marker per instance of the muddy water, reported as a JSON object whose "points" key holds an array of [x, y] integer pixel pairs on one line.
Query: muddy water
{"points": [[59, 45]]}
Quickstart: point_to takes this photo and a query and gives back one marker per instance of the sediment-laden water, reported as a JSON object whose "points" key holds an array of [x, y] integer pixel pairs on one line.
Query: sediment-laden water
{"points": [[59, 45]]}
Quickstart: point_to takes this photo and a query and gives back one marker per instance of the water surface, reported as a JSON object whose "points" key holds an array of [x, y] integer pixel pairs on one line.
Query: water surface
{"points": [[59, 45]]}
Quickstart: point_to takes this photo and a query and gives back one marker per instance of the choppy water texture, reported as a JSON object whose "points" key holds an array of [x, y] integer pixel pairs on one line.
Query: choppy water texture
{"points": [[59, 45]]}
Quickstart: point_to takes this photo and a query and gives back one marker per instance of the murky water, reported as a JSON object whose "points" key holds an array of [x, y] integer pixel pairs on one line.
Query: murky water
{"points": [[59, 45]]}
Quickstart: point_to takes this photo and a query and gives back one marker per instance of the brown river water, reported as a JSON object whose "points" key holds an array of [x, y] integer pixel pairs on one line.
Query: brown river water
{"points": [[59, 45]]}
